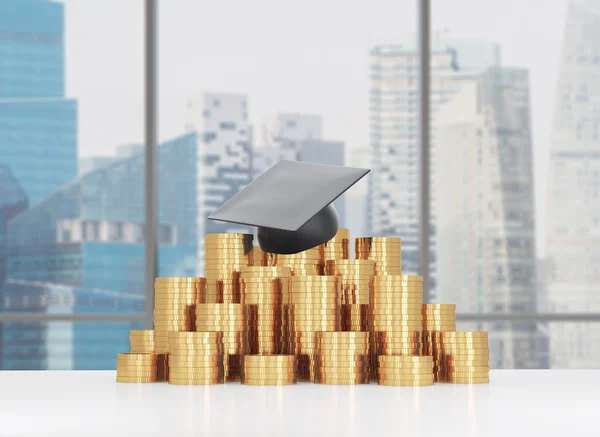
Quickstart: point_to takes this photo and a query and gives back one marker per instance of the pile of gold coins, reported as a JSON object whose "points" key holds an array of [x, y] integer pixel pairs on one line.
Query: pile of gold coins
{"points": [[316, 316], [139, 368], [196, 358], [315, 308], [269, 370], [228, 319], [342, 358], [266, 310], [405, 370], [354, 299], [175, 301], [463, 357]]}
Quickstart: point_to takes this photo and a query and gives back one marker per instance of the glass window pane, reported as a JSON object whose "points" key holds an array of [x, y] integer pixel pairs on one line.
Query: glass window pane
{"points": [[267, 80], [514, 160], [71, 164], [64, 345]]}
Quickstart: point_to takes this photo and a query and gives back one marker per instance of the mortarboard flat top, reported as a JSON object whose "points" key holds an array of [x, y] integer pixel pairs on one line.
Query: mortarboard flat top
{"points": [[288, 195]]}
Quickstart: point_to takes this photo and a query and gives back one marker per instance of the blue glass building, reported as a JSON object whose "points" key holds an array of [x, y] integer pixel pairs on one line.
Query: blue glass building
{"points": [[38, 126], [81, 250]]}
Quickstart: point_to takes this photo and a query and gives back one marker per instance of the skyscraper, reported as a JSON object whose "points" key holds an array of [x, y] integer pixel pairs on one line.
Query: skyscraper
{"points": [[573, 215], [394, 183], [485, 225], [81, 250], [38, 126], [356, 197], [223, 157]]}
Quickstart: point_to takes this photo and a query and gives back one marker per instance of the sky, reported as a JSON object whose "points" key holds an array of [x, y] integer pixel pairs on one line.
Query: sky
{"points": [[286, 56]]}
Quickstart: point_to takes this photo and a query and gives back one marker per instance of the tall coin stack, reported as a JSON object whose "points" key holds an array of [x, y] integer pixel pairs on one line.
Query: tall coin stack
{"points": [[463, 357], [386, 252], [224, 257], [269, 370], [228, 319], [354, 299], [308, 262], [315, 308], [195, 358], [174, 303], [266, 309], [138, 368], [397, 317], [142, 342], [436, 318], [342, 358], [338, 247], [404, 370]]}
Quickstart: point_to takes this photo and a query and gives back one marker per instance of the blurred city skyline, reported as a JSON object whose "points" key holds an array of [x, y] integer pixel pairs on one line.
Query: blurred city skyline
{"points": [[285, 64]]}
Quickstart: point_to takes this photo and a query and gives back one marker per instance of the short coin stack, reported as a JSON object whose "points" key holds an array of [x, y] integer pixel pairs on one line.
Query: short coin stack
{"points": [[142, 342], [404, 370], [315, 308], [228, 319], [266, 309], [338, 247], [268, 370], [224, 257], [174, 302], [354, 299], [342, 358], [138, 368], [463, 357], [308, 262], [386, 252], [397, 319], [195, 358]]}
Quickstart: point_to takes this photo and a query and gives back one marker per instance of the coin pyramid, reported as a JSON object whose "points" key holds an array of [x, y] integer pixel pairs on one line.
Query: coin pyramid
{"points": [[316, 316]]}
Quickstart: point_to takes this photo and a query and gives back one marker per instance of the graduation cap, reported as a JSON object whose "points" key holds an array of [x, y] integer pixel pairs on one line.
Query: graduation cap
{"points": [[290, 204]]}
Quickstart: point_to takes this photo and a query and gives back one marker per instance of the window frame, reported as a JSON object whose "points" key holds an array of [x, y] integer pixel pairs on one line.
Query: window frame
{"points": [[150, 188]]}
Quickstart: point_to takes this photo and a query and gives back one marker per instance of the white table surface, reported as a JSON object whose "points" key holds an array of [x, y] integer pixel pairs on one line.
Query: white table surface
{"points": [[516, 403]]}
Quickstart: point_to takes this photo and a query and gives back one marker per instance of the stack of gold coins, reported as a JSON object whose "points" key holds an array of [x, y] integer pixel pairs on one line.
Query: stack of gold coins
{"points": [[403, 370], [308, 262], [268, 369], [174, 302], [266, 308], [339, 246], [224, 257], [142, 342], [463, 357], [196, 358], [342, 358], [228, 319], [315, 308], [354, 299], [385, 251], [260, 258], [436, 318], [138, 368], [397, 318]]}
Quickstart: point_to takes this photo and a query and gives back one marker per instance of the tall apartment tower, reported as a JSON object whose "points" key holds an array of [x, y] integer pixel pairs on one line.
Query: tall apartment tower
{"points": [[485, 226], [223, 157], [393, 201], [573, 214]]}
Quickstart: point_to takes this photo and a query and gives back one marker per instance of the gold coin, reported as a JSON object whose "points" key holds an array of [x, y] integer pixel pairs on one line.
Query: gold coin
{"points": [[141, 333], [268, 382], [196, 381], [394, 383], [466, 380], [402, 359], [137, 374], [440, 306], [466, 334], [456, 361], [134, 379], [129, 357], [377, 240], [341, 380]]}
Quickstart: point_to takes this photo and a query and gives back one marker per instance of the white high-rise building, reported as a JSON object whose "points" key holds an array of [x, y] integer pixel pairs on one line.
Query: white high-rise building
{"points": [[573, 214], [356, 197], [485, 223], [224, 152], [394, 132]]}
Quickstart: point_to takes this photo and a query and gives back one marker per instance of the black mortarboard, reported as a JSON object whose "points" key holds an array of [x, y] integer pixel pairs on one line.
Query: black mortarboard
{"points": [[290, 204]]}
